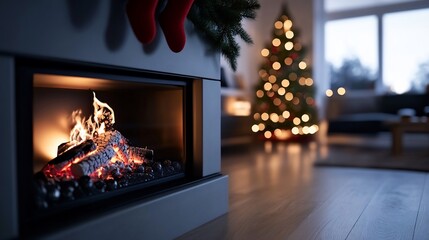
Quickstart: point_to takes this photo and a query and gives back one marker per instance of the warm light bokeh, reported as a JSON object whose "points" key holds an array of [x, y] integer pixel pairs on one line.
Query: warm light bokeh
{"points": [[305, 118], [277, 101], [341, 91], [268, 134], [256, 116], [265, 52], [296, 121], [289, 34], [281, 91], [255, 128], [278, 25], [272, 79], [274, 117], [237, 107], [276, 65], [265, 116], [309, 82], [286, 114], [285, 83], [268, 86], [288, 61], [276, 42], [287, 24], [282, 134], [289, 46]]}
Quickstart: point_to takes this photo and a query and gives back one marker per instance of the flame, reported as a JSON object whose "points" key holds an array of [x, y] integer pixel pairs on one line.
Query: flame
{"points": [[79, 132], [103, 117], [100, 114], [101, 121]]}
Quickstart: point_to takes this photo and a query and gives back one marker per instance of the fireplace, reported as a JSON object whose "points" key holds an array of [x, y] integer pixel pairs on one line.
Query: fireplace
{"points": [[90, 136], [162, 177], [91, 139]]}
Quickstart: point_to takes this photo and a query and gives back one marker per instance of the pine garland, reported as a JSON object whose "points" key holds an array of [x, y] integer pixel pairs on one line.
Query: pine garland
{"points": [[219, 21]]}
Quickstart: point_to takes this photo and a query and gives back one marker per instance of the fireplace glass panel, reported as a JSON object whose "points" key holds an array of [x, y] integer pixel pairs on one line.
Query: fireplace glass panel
{"points": [[139, 138]]}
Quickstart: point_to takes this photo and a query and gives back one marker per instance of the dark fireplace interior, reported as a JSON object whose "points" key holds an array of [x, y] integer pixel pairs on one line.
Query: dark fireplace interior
{"points": [[93, 139]]}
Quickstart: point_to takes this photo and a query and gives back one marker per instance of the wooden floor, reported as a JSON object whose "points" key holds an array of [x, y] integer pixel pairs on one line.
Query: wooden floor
{"points": [[276, 193]]}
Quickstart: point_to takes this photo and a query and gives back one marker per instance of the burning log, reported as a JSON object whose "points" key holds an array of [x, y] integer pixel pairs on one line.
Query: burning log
{"points": [[116, 140], [108, 144], [140, 154], [76, 152], [63, 147], [90, 163]]}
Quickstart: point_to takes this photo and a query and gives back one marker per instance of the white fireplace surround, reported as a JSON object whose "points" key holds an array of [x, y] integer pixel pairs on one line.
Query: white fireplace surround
{"points": [[98, 32]]}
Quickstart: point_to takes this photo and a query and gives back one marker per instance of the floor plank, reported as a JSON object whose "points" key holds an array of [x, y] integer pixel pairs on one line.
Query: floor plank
{"points": [[335, 218], [392, 213], [421, 231], [277, 193]]}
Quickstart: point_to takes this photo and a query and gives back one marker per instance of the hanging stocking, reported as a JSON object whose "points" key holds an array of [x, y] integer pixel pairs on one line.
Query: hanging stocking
{"points": [[141, 14], [172, 20]]}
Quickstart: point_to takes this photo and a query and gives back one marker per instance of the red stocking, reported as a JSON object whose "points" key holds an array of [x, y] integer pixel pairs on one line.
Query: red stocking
{"points": [[172, 21], [141, 14]]}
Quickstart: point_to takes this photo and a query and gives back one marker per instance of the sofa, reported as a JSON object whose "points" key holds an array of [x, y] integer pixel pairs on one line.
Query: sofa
{"points": [[368, 113]]}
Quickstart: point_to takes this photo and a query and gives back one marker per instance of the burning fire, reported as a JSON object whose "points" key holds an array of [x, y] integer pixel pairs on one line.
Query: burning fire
{"points": [[96, 159], [84, 129], [94, 147]]}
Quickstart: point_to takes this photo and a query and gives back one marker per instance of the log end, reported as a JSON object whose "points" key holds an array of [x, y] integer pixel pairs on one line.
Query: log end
{"points": [[79, 170]]}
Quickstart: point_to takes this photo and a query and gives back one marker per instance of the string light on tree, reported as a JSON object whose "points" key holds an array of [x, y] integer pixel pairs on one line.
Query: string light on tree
{"points": [[284, 96]]}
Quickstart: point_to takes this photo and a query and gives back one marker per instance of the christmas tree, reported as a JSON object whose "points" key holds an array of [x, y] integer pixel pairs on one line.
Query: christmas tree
{"points": [[285, 107]]}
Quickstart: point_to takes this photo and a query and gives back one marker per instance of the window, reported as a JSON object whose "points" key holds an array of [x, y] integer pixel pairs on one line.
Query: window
{"points": [[406, 51], [381, 47], [341, 5], [352, 57]]}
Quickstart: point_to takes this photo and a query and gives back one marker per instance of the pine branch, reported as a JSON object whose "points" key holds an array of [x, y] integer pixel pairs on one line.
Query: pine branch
{"points": [[219, 21]]}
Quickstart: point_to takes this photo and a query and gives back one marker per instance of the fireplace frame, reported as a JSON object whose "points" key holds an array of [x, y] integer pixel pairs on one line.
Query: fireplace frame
{"points": [[31, 223], [197, 173]]}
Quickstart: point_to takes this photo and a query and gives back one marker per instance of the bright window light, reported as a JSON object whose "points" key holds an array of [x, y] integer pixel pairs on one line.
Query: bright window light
{"points": [[406, 51], [353, 57]]}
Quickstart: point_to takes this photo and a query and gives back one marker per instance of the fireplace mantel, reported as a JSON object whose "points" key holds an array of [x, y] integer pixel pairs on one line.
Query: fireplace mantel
{"points": [[97, 33]]}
